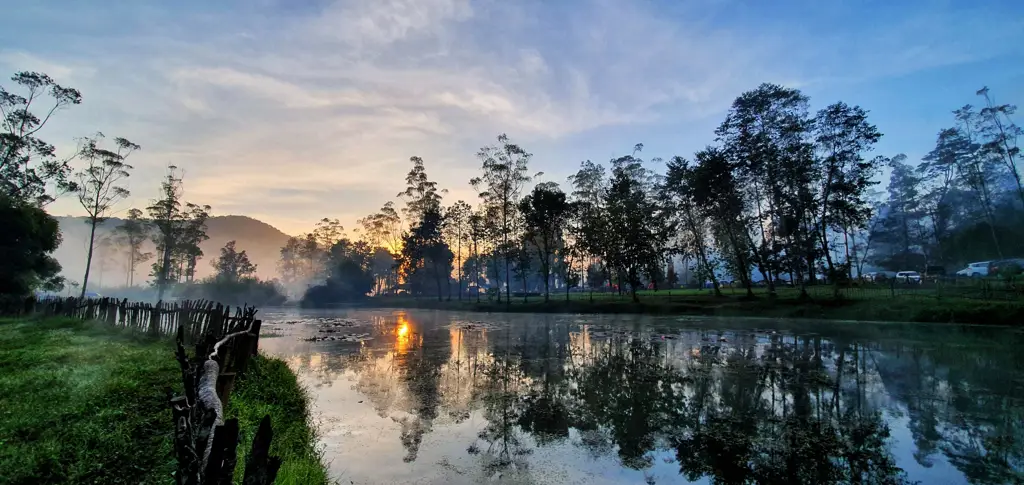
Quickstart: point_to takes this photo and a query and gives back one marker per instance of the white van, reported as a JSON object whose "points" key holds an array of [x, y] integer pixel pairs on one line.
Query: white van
{"points": [[975, 270]]}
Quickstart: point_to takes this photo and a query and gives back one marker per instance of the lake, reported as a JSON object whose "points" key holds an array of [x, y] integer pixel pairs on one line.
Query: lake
{"points": [[409, 396]]}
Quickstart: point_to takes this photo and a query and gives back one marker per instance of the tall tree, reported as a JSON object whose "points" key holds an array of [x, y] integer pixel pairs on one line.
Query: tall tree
{"points": [[425, 253], [27, 163], [233, 265], [131, 234], [940, 167], [328, 232], [1000, 135], [715, 189], [505, 170], [545, 211], [457, 231], [193, 234], [636, 222], [765, 132], [901, 225], [691, 218], [165, 214], [590, 185], [477, 236], [424, 246], [975, 167], [178, 231], [421, 193], [843, 136], [28, 239], [383, 228], [100, 186]]}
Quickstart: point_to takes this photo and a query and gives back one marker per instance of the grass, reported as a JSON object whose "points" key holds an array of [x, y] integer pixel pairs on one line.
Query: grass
{"points": [[82, 402], [879, 306]]}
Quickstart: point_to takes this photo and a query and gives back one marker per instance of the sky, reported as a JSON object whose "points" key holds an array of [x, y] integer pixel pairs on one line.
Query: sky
{"points": [[289, 111]]}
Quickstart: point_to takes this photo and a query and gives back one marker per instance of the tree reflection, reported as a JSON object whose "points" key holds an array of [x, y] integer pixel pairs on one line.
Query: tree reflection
{"points": [[729, 408]]}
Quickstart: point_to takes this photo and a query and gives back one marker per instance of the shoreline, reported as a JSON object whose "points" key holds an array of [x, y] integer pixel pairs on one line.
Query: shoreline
{"points": [[956, 311]]}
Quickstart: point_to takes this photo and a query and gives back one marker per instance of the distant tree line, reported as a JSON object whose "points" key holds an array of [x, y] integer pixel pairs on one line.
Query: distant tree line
{"points": [[784, 195]]}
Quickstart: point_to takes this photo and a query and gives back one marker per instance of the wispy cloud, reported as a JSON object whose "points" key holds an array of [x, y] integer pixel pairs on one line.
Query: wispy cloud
{"points": [[296, 110]]}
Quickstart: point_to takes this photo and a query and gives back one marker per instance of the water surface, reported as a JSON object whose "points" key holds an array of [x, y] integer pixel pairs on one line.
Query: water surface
{"points": [[445, 397]]}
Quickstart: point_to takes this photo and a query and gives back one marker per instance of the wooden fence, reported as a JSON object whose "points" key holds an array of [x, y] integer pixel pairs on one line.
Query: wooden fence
{"points": [[224, 342]]}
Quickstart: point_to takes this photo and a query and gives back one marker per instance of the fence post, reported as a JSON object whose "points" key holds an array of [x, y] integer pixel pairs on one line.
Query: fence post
{"points": [[154, 319]]}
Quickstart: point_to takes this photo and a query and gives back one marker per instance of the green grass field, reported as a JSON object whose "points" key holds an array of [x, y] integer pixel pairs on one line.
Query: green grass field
{"points": [[85, 403]]}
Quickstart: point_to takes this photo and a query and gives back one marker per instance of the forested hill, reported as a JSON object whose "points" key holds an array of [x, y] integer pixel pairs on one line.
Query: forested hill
{"points": [[261, 241]]}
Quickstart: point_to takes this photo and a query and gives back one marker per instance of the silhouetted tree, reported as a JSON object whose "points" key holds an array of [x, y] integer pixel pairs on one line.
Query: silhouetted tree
{"points": [[505, 171], [100, 186]]}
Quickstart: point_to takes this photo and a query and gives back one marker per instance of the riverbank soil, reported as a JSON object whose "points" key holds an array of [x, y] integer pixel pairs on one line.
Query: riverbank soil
{"points": [[83, 402]]}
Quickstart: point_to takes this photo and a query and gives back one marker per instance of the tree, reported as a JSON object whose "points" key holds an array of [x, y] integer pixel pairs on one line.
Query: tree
{"points": [[505, 170], [999, 135], [457, 230], [843, 135], [177, 232], [423, 246], [28, 239], [100, 186], [424, 251], [637, 224], [714, 188], [328, 232], [290, 264], [421, 194], [131, 234], [692, 219], [901, 223], [27, 163], [193, 234], [233, 265], [765, 132], [671, 278], [590, 186], [545, 212], [383, 228], [166, 217], [477, 236], [975, 167], [350, 276]]}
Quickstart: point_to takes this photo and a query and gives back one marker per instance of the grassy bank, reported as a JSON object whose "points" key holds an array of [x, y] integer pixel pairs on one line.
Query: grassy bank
{"points": [[925, 310], [85, 403]]}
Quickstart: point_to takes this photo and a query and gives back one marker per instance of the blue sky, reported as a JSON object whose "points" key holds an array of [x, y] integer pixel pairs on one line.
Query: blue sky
{"points": [[293, 110]]}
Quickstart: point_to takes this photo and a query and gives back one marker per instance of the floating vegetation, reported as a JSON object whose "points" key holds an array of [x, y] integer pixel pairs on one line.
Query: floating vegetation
{"points": [[475, 325], [350, 337]]}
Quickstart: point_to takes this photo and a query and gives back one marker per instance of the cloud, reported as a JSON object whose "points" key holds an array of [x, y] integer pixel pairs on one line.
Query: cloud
{"points": [[327, 100]]}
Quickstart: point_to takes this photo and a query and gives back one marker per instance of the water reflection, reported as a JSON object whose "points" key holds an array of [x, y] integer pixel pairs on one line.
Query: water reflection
{"points": [[557, 399]]}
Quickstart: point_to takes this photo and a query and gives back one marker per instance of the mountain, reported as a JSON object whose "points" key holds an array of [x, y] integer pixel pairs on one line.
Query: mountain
{"points": [[261, 241]]}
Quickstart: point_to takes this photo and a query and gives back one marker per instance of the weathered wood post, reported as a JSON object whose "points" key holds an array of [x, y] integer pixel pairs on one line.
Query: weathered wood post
{"points": [[205, 444], [154, 319]]}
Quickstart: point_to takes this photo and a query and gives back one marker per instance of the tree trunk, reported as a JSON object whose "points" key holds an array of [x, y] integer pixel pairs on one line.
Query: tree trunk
{"points": [[459, 270], [88, 258]]}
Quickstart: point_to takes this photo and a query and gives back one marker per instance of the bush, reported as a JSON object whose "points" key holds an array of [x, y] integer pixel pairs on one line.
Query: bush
{"points": [[249, 291], [28, 238]]}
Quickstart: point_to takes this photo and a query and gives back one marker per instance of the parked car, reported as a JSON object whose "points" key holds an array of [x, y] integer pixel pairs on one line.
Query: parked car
{"points": [[975, 270], [912, 277], [1007, 267]]}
